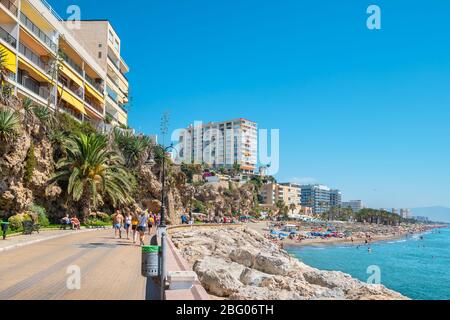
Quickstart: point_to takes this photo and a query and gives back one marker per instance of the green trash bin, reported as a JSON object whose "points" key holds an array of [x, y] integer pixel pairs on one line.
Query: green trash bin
{"points": [[5, 226], [150, 261]]}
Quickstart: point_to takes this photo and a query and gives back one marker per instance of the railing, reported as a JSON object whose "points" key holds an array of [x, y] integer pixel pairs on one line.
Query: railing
{"points": [[10, 6], [77, 91], [112, 94], [53, 12], [5, 35], [33, 85], [38, 32], [33, 57], [95, 84], [73, 64]]}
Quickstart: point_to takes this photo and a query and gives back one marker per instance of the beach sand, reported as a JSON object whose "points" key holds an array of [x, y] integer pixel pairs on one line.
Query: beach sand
{"points": [[393, 234]]}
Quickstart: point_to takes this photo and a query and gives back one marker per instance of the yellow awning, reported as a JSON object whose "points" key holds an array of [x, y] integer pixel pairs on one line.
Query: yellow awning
{"points": [[9, 59], [70, 99], [94, 93], [72, 75], [34, 69]]}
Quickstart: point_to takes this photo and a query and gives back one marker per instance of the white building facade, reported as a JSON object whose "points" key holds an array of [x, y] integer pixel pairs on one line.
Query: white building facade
{"points": [[220, 144]]}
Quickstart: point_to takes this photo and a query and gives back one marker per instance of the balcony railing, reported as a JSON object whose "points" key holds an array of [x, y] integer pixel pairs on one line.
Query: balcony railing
{"points": [[73, 64], [6, 36], [33, 85], [38, 32], [10, 6], [112, 94], [33, 57], [53, 12], [95, 84]]}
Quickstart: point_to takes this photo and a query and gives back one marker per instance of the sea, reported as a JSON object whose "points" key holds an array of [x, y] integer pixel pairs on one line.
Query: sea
{"points": [[417, 266]]}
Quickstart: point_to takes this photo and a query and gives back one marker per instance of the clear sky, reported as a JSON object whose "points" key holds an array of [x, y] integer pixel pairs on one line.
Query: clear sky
{"points": [[364, 111]]}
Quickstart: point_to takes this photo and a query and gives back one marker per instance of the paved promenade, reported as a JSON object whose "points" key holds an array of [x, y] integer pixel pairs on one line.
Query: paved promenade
{"points": [[110, 268]]}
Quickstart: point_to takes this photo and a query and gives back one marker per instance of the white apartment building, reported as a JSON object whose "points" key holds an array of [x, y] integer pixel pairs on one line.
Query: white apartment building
{"points": [[355, 205], [220, 144]]}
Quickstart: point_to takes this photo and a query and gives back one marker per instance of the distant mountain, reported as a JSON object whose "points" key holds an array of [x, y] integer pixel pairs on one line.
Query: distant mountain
{"points": [[437, 213]]}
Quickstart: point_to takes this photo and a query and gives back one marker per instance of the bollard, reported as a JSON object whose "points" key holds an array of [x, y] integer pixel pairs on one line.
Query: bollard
{"points": [[163, 264]]}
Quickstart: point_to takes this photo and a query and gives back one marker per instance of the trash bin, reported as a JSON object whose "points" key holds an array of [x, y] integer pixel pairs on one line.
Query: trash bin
{"points": [[150, 261], [5, 226]]}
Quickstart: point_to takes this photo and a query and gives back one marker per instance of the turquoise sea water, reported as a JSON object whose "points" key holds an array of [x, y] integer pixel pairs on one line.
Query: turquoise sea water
{"points": [[419, 269]]}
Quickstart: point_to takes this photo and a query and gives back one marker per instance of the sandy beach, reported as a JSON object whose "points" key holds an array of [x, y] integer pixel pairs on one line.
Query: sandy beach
{"points": [[361, 233]]}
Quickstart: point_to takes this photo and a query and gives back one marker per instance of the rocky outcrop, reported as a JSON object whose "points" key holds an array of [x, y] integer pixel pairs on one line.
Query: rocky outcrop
{"points": [[237, 263]]}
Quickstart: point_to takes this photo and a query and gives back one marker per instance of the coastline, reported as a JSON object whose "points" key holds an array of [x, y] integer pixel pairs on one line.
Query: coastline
{"points": [[261, 226], [241, 264]]}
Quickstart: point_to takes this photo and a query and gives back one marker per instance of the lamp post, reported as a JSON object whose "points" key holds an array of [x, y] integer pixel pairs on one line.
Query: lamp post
{"points": [[162, 224]]}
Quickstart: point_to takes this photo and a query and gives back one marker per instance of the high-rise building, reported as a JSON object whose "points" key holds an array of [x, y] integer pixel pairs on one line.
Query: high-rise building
{"points": [[335, 198], [405, 213], [50, 63], [220, 144], [355, 205], [100, 38], [316, 197]]}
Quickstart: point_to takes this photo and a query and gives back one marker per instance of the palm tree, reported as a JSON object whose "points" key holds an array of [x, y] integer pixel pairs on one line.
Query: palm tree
{"points": [[134, 149], [292, 207], [9, 125], [92, 170]]}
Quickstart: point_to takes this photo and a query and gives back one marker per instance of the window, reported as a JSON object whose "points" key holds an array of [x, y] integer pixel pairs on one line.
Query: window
{"points": [[99, 54]]}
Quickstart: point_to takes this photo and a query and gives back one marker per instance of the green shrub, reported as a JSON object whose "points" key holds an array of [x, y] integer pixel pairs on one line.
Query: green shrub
{"points": [[42, 215], [199, 206], [103, 217], [15, 222], [93, 222], [9, 125], [30, 164], [70, 125]]}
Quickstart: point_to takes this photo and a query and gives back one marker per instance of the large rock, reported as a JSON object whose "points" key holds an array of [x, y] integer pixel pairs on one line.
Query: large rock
{"points": [[218, 277], [271, 264], [240, 264]]}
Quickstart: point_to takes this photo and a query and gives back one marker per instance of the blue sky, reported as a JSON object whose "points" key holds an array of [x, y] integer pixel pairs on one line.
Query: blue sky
{"points": [[364, 111]]}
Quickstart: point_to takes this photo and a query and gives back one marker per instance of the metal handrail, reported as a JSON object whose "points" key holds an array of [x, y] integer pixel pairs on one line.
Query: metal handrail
{"points": [[11, 6], [38, 32], [5, 35]]}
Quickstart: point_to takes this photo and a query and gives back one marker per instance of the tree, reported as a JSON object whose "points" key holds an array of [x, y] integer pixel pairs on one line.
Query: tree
{"points": [[135, 149], [292, 207], [91, 170]]}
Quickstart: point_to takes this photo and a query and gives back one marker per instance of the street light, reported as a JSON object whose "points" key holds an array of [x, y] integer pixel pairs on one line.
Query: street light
{"points": [[162, 224]]}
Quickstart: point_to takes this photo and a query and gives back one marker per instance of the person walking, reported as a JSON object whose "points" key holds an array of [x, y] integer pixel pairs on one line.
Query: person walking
{"points": [[117, 223], [127, 224], [143, 221], [134, 225]]}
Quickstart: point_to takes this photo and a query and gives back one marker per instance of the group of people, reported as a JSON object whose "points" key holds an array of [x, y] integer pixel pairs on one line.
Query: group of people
{"points": [[73, 222], [140, 222]]}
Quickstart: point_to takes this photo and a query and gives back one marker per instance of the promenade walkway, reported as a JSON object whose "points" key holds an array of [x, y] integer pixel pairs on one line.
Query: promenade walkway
{"points": [[110, 268]]}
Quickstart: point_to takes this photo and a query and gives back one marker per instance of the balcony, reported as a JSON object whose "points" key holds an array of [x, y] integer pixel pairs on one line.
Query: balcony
{"points": [[94, 106], [10, 6], [71, 87], [33, 57], [7, 37], [72, 64], [112, 95], [38, 32], [33, 85], [95, 84]]}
